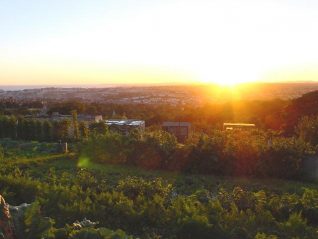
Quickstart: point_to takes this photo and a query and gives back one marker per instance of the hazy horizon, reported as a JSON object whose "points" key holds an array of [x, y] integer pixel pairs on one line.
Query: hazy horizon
{"points": [[93, 86]]}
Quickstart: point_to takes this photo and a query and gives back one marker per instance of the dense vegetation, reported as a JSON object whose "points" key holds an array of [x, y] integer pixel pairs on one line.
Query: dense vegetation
{"points": [[150, 204], [26, 129], [109, 177], [258, 153], [237, 153]]}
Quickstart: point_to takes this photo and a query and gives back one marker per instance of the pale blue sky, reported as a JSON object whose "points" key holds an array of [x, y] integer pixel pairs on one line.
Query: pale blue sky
{"points": [[96, 41]]}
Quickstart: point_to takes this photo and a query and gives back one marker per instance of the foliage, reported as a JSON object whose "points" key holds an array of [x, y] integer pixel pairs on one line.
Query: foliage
{"points": [[30, 129], [150, 205], [239, 153], [1, 153], [36, 227], [75, 126], [307, 129]]}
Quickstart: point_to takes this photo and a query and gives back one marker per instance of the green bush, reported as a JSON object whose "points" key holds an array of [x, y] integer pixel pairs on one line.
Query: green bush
{"points": [[307, 129], [1, 153]]}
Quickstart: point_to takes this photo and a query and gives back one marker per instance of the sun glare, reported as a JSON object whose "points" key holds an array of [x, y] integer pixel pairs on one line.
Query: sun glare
{"points": [[225, 79], [228, 83]]}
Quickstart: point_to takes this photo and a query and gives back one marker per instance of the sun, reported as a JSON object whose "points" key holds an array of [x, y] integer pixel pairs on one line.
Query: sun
{"points": [[224, 77], [228, 83]]}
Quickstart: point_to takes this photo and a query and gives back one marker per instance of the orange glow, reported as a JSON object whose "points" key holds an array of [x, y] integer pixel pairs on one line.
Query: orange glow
{"points": [[223, 42]]}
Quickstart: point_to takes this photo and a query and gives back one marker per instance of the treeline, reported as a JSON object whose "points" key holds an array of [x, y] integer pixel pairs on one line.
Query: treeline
{"points": [[255, 153], [266, 114], [275, 114], [41, 130], [243, 153], [280, 115]]}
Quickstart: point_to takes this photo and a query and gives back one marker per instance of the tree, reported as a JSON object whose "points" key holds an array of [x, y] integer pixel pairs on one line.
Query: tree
{"points": [[75, 124], [12, 127], [21, 132], [83, 129], [1, 153], [98, 128], [32, 131], [36, 225], [47, 131], [5, 127], [61, 130], [283, 158], [38, 130], [205, 154], [1, 126], [307, 129]]}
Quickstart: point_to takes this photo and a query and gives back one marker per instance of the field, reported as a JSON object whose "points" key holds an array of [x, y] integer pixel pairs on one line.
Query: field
{"points": [[154, 204]]}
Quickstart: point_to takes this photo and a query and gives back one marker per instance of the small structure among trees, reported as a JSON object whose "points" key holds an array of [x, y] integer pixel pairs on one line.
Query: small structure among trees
{"points": [[125, 126], [231, 126], [180, 130]]}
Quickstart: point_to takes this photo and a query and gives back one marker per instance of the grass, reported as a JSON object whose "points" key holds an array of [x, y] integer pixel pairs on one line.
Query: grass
{"points": [[184, 183], [39, 158]]}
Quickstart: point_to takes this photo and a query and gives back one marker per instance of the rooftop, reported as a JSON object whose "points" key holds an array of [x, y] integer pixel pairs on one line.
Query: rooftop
{"points": [[128, 122], [173, 123], [239, 124]]}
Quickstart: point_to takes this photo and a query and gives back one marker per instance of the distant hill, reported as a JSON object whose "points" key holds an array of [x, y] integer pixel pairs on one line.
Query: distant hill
{"points": [[305, 105]]}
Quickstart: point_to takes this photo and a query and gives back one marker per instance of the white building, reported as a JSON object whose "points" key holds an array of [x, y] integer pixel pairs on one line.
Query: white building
{"points": [[125, 126]]}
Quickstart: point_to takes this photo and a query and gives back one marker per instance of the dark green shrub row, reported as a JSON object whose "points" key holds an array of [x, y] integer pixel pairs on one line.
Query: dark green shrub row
{"points": [[244, 153]]}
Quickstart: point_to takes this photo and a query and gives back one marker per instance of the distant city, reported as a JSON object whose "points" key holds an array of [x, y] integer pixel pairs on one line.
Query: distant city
{"points": [[173, 95]]}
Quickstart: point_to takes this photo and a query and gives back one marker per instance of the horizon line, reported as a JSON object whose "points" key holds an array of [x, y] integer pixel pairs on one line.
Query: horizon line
{"points": [[42, 86]]}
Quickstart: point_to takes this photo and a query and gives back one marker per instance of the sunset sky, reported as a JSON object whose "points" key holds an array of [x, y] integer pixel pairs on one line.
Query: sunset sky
{"points": [[164, 41]]}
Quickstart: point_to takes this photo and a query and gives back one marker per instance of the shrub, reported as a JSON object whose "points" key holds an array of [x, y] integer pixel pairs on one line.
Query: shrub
{"points": [[1, 153], [307, 129]]}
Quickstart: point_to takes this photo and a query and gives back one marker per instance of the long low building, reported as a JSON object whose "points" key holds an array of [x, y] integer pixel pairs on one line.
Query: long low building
{"points": [[230, 126], [125, 126]]}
